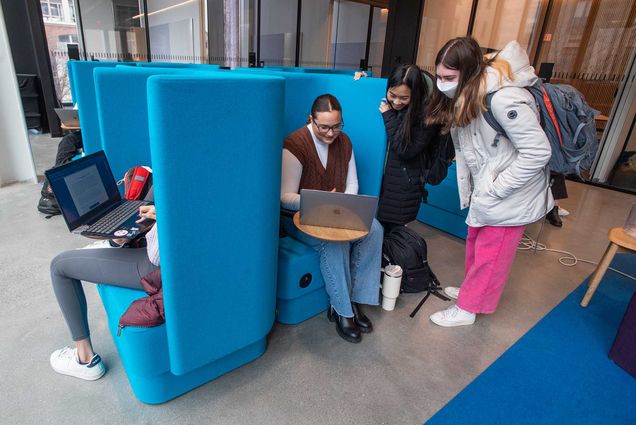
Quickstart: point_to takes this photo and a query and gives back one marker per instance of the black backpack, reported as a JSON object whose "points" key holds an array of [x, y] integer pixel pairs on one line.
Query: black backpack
{"points": [[407, 249], [69, 146]]}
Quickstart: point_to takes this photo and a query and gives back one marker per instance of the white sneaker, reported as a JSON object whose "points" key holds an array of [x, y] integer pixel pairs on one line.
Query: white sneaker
{"points": [[452, 292], [453, 316], [563, 212], [66, 362]]}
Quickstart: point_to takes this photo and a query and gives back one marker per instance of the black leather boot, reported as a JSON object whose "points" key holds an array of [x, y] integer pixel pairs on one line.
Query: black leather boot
{"points": [[553, 217], [361, 319], [345, 326]]}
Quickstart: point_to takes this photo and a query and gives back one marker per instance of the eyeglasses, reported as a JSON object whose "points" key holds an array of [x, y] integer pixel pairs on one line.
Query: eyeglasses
{"points": [[324, 129]]}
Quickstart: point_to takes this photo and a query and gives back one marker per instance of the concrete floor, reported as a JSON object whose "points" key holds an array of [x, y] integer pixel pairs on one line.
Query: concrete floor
{"points": [[402, 373]]}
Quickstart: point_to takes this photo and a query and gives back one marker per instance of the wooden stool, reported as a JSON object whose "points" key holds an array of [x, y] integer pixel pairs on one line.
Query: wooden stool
{"points": [[619, 242]]}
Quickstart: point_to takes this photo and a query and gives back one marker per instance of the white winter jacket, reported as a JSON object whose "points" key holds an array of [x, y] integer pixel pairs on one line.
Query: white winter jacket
{"points": [[505, 183]]}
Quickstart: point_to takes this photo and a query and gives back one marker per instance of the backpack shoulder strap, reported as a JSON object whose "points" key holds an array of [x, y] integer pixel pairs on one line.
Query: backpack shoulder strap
{"points": [[490, 117]]}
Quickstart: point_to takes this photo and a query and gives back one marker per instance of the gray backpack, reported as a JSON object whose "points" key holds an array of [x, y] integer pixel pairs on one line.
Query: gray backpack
{"points": [[567, 120]]}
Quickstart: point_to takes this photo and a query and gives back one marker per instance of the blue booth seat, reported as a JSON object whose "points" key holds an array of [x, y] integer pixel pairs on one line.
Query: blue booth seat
{"points": [[443, 210], [214, 164], [301, 290]]}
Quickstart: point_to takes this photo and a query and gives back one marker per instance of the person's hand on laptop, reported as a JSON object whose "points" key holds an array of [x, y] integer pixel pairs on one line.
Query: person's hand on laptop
{"points": [[147, 212]]}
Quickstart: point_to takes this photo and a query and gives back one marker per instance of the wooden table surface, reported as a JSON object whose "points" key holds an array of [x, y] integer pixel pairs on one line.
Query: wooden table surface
{"points": [[329, 233]]}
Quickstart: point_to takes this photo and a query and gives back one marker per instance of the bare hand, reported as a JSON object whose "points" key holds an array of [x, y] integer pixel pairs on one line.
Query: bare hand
{"points": [[384, 105], [358, 74], [147, 212], [333, 190]]}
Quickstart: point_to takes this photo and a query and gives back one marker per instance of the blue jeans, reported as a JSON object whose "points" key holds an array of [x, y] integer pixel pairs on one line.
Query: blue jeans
{"points": [[351, 270]]}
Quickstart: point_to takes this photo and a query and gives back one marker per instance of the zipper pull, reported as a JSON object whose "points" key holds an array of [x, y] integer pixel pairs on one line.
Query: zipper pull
{"points": [[119, 328]]}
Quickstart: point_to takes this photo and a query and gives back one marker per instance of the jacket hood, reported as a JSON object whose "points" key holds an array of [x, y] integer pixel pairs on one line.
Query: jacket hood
{"points": [[523, 72]]}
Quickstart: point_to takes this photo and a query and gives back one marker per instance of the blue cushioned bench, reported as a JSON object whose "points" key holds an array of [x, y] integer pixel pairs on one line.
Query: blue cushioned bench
{"points": [[443, 208], [301, 289], [218, 259]]}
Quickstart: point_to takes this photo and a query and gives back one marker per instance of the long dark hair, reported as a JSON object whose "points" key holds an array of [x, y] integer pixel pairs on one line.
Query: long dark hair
{"points": [[464, 55], [325, 103], [410, 76]]}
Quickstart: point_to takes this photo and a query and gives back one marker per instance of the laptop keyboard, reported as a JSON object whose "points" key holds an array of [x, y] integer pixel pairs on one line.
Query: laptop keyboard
{"points": [[111, 221]]}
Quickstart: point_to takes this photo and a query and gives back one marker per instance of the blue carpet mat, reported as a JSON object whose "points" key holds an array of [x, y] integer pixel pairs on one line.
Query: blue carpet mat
{"points": [[558, 372]]}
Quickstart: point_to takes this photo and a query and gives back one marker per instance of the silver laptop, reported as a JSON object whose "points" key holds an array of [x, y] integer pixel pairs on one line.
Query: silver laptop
{"points": [[339, 210], [69, 117]]}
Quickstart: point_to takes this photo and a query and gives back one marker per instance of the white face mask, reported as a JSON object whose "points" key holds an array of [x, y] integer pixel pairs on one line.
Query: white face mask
{"points": [[448, 89]]}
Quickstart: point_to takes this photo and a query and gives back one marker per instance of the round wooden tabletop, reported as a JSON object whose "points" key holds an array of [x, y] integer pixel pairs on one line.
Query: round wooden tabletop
{"points": [[68, 128], [618, 236], [331, 234]]}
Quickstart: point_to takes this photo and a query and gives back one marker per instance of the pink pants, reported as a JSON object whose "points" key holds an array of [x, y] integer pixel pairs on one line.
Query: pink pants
{"points": [[490, 252]]}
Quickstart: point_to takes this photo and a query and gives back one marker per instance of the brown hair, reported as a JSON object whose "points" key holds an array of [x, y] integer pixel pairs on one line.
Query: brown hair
{"points": [[464, 54], [325, 103]]}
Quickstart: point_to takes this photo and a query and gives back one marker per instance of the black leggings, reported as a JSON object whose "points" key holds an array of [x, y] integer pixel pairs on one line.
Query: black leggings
{"points": [[111, 266]]}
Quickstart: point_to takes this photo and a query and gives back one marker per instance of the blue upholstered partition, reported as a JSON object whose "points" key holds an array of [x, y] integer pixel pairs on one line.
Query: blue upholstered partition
{"points": [[122, 106], [85, 97], [300, 292], [218, 256], [315, 70], [204, 66], [443, 208], [71, 81]]}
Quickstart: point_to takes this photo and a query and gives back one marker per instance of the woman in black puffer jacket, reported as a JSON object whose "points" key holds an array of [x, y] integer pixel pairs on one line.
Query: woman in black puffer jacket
{"points": [[417, 154]]}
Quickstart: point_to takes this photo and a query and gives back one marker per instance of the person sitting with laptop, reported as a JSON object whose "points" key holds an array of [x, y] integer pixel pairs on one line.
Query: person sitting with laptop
{"points": [[320, 156], [120, 267]]}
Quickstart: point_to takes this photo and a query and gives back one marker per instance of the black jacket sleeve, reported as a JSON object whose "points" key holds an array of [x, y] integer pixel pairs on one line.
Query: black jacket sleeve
{"points": [[421, 137]]}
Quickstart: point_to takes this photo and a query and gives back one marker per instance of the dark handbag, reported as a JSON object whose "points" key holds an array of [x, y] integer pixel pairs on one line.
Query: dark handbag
{"points": [[146, 312]]}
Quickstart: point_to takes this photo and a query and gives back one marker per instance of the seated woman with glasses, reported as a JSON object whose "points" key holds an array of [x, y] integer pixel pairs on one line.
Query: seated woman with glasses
{"points": [[320, 156]]}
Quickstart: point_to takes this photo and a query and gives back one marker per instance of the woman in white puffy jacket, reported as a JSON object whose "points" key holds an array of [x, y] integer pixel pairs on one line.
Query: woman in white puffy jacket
{"points": [[502, 180]]}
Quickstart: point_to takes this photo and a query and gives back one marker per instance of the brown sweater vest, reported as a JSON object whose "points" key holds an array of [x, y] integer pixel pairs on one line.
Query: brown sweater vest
{"points": [[315, 176]]}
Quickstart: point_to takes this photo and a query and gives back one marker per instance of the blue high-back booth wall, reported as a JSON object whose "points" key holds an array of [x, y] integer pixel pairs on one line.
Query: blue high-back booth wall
{"points": [[214, 164], [83, 89], [301, 293], [122, 108]]}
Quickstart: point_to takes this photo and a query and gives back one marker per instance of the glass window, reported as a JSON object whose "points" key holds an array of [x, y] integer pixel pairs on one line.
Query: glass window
{"points": [[176, 30], [51, 10], [497, 22], [378, 32], [590, 45], [113, 30], [441, 21], [349, 34], [315, 33], [59, 34], [278, 32]]}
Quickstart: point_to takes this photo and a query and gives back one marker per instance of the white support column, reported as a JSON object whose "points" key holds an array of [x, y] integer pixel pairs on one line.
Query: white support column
{"points": [[16, 161]]}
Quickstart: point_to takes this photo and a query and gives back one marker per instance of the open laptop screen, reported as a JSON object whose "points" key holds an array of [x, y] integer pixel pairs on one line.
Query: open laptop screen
{"points": [[84, 189]]}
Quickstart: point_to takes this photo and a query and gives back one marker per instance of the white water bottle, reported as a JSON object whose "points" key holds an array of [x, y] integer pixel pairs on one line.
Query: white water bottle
{"points": [[391, 286]]}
